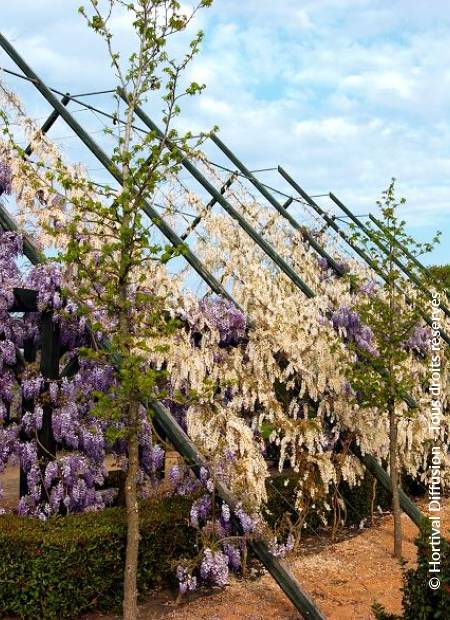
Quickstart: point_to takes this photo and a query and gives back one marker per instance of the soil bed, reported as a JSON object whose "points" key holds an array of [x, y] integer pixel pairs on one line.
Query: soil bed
{"points": [[344, 578]]}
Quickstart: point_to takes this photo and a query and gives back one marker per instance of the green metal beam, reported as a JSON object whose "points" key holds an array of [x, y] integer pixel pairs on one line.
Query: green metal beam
{"points": [[279, 207], [372, 465], [407, 253], [48, 124], [196, 221], [412, 276], [154, 216], [212, 191], [332, 223], [29, 249]]}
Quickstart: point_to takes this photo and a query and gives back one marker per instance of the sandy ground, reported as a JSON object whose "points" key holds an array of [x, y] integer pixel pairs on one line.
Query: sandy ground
{"points": [[343, 578]]}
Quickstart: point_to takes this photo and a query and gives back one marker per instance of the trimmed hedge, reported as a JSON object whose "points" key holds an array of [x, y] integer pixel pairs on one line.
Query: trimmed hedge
{"points": [[73, 564], [420, 602]]}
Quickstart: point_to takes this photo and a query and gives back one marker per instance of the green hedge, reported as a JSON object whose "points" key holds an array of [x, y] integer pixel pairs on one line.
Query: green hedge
{"points": [[420, 602], [70, 565]]}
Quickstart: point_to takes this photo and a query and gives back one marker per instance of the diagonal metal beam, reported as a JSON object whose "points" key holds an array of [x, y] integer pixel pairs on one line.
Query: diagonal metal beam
{"points": [[372, 465], [48, 124], [279, 207], [412, 276], [196, 221], [332, 223], [33, 254], [408, 254]]}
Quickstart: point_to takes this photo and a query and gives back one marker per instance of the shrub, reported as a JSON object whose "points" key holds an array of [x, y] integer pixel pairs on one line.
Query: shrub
{"points": [[69, 565], [358, 501], [442, 274], [420, 602]]}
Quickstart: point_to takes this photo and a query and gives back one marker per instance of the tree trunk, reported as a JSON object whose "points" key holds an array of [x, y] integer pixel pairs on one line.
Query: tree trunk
{"points": [[393, 466], [131, 560]]}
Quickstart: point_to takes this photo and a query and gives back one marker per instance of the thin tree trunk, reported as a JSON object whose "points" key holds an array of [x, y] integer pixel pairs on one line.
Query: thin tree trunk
{"points": [[131, 560], [393, 466]]}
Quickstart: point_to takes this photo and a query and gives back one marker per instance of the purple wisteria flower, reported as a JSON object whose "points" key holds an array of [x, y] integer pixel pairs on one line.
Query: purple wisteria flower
{"points": [[32, 420], [10, 249], [46, 280], [5, 178], [280, 550], [226, 318], [186, 580], [7, 385], [214, 567], [420, 339], [32, 387], [368, 288], [234, 557], [182, 481], [346, 319], [28, 454], [151, 455], [200, 511], [226, 513], [248, 523], [323, 263], [7, 353]]}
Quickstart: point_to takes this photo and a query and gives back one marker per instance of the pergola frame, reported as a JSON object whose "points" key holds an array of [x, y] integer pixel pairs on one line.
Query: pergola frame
{"points": [[407, 505], [163, 417]]}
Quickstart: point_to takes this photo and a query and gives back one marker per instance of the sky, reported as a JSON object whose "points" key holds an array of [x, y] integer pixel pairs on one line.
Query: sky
{"points": [[344, 94]]}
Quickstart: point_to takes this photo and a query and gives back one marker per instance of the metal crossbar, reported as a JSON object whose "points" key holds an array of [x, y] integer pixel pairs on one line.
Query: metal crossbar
{"points": [[163, 415], [411, 276], [427, 318]]}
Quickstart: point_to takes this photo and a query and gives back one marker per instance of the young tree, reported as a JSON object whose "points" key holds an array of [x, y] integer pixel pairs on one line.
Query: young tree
{"points": [[440, 276], [381, 375], [109, 248]]}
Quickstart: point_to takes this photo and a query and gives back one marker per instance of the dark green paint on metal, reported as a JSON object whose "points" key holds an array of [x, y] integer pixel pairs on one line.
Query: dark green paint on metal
{"points": [[372, 465], [383, 248], [279, 207], [331, 222]]}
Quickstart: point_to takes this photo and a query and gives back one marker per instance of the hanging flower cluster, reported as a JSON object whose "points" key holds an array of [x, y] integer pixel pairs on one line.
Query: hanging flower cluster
{"points": [[242, 383]]}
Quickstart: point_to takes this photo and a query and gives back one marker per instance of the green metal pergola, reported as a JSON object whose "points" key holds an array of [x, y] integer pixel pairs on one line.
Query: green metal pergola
{"points": [[163, 417]]}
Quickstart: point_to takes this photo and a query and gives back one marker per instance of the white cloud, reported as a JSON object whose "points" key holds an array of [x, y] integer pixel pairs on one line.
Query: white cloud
{"points": [[344, 93]]}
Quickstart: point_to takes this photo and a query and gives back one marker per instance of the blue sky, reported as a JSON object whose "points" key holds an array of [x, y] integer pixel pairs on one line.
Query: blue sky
{"points": [[344, 94]]}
